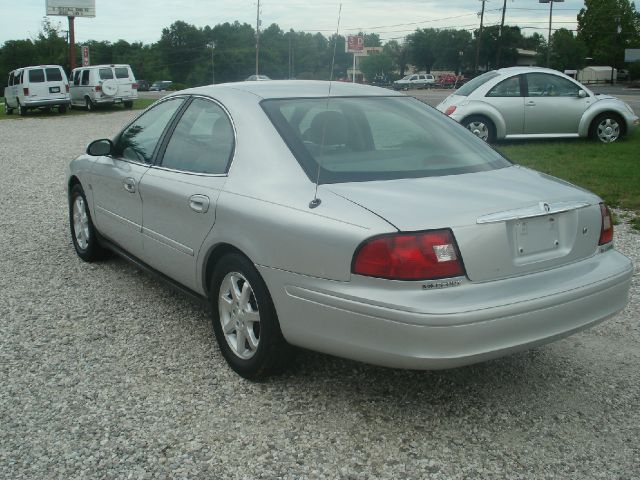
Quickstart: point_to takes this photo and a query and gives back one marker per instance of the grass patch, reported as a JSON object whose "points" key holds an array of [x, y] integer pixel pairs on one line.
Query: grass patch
{"points": [[611, 171], [139, 104]]}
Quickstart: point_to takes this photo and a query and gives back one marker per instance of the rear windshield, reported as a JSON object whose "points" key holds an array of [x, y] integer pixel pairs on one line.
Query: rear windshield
{"points": [[106, 74], [53, 74], [355, 139], [122, 72], [36, 76], [471, 85]]}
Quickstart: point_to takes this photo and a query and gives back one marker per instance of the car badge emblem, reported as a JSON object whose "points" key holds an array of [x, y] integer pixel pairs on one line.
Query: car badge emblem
{"points": [[544, 206]]}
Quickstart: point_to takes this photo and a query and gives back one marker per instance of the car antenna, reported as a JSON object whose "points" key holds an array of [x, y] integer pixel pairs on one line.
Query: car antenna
{"points": [[316, 201]]}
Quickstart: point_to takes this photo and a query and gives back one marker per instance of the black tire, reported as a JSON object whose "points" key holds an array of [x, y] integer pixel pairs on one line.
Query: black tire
{"points": [[481, 127], [62, 109], [272, 353], [88, 104], [22, 110], [92, 250], [128, 104], [607, 127], [7, 109]]}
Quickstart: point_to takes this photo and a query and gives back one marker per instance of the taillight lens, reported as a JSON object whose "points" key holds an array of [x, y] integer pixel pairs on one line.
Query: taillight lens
{"points": [[450, 109], [409, 256], [25, 90], [134, 86], [67, 88], [606, 230], [98, 88]]}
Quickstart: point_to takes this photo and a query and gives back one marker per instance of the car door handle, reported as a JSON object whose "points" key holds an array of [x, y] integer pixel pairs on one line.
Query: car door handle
{"points": [[530, 103], [199, 203], [129, 185]]}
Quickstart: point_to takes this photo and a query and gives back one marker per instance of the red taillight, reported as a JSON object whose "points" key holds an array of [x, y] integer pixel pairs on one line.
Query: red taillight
{"points": [[134, 86], [67, 88], [409, 256], [25, 90], [98, 88], [606, 230], [450, 109]]}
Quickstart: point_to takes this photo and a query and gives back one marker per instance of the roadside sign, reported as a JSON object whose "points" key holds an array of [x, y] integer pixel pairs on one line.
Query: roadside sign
{"points": [[72, 8], [85, 56], [355, 43]]}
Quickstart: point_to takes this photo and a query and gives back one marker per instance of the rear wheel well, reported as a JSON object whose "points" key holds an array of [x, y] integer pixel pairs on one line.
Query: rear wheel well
{"points": [[214, 257], [73, 181]]}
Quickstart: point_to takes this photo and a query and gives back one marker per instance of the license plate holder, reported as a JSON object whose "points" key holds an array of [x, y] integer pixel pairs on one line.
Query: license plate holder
{"points": [[536, 235], [54, 89], [118, 100]]}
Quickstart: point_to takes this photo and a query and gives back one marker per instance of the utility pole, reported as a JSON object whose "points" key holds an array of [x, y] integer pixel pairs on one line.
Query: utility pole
{"points": [[479, 39], [550, 2], [504, 9], [72, 43], [258, 37], [289, 77]]}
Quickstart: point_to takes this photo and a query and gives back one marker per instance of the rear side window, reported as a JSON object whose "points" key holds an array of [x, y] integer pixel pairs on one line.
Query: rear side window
{"points": [[53, 74], [36, 76], [507, 88], [471, 85], [106, 74], [202, 141], [122, 72], [85, 77]]}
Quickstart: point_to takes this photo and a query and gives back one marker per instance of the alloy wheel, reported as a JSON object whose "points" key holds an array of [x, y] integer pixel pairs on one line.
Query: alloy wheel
{"points": [[81, 223], [608, 130], [239, 315], [479, 129]]}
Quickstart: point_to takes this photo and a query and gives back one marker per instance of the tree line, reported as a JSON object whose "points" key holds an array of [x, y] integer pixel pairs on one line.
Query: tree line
{"points": [[184, 52]]}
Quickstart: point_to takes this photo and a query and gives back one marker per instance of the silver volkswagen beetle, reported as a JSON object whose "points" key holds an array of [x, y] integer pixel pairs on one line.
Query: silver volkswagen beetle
{"points": [[346, 219], [529, 102]]}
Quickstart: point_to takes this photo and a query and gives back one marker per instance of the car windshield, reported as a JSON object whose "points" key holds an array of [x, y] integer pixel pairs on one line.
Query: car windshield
{"points": [[471, 85], [355, 139]]}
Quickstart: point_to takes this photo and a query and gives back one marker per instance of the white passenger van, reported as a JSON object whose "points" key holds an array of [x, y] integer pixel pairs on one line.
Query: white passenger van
{"points": [[43, 87], [103, 84]]}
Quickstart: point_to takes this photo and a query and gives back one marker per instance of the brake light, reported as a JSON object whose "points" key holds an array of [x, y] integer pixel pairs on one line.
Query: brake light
{"points": [[606, 230], [98, 88], [409, 256], [25, 90], [134, 86], [450, 109], [67, 88]]}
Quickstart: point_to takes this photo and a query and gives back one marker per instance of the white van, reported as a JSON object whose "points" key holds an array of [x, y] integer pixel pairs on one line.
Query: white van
{"points": [[103, 84], [42, 87]]}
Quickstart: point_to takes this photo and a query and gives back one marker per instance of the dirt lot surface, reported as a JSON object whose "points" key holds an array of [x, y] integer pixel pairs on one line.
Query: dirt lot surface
{"points": [[108, 374]]}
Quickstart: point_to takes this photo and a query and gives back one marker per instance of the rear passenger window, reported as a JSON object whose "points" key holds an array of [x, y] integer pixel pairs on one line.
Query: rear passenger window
{"points": [[53, 74], [106, 74], [122, 72], [507, 88], [202, 141], [85, 77], [36, 76]]}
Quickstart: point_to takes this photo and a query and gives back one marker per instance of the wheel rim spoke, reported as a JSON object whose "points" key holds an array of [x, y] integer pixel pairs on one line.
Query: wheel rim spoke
{"points": [[80, 223]]}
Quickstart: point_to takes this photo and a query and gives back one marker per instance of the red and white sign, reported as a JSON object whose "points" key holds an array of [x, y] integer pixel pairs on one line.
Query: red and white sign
{"points": [[355, 43], [85, 57]]}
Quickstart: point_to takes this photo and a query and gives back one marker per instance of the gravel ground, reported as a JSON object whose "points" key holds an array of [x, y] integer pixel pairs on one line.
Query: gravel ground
{"points": [[108, 374]]}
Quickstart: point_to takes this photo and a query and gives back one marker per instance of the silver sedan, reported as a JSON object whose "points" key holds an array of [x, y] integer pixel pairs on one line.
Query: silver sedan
{"points": [[346, 219], [528, 102]]}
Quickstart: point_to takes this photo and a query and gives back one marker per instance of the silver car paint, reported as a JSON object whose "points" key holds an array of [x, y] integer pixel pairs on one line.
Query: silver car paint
{"points": [[304, 254], [552, 117]]}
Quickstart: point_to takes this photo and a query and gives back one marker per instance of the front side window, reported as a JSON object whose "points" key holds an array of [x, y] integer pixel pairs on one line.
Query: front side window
{"points": [[507, 88], [36, 76], [546, 85], [202, 141], [53, 74], [376, 138], [85, 77], [10, 81], [76, 77], [139, 140], [106, 74]]}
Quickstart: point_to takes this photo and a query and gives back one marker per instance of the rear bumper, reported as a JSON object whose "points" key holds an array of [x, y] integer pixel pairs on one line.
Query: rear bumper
{"points": [[450, 327], [47, 103], [111, 100]]}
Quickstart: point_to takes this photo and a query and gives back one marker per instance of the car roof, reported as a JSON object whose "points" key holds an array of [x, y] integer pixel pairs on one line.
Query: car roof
{"points": [[294, 89], [517, 70]]}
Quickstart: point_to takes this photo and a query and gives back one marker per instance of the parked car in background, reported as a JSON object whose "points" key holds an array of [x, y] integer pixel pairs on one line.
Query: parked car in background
{"points": [[521, 102], [103, 85], [160, 85], [143, 86], [415, 80], [257, 78], [42, 87], [365, 225]]}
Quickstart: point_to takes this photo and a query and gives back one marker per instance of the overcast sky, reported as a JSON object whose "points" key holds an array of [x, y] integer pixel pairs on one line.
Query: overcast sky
{"points": [[143, 21]]}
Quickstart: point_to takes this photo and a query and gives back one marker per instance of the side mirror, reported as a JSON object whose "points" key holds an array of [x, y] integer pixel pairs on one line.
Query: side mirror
{"points": [[582, 93], [100, 148]]}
